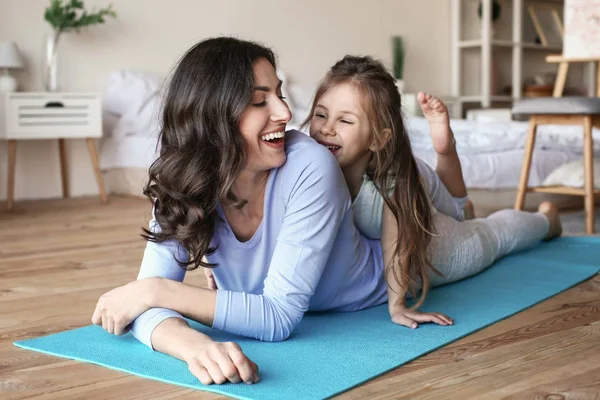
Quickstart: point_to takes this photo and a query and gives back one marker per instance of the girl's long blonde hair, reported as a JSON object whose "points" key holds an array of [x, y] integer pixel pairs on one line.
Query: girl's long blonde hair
{"points": [[392, 168]]}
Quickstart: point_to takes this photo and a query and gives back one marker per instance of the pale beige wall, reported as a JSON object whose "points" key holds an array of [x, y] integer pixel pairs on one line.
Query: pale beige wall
{"points": [[150, 35]]}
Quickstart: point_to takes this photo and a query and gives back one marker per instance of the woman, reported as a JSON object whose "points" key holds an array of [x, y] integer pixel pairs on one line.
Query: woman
{"points": [[268, 209]]}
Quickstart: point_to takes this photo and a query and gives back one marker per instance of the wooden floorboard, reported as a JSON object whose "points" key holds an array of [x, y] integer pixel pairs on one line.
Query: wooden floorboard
{"points": [[58, 256]]}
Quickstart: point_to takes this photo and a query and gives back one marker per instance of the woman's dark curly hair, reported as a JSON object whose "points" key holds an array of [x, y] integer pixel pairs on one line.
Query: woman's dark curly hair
{"points": [[201, 148]]}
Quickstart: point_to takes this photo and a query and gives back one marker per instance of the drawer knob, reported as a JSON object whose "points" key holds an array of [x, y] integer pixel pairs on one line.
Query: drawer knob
{"points": [[54, 104]]}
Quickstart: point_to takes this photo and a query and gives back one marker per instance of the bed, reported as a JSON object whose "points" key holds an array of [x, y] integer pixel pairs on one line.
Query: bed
{"points": [[491, 153]]}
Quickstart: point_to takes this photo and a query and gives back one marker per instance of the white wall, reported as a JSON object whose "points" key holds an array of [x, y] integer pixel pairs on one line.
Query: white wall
{"points": [[150, 35]]}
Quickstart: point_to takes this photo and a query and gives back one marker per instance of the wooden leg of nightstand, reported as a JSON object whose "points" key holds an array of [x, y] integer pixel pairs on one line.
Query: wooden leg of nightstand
{"points": [[96, 165], [588, 156], [64, 167], [597, 78], [12, 162]]}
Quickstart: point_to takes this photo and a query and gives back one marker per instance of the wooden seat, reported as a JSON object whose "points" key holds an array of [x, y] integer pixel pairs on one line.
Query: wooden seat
{"points": [[584, 111]]}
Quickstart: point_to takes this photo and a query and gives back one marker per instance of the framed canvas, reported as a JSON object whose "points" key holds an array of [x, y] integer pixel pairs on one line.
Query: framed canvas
{"points": [[582, 29]]}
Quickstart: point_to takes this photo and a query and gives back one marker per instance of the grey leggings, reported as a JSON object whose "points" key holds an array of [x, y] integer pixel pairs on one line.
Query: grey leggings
{"points": [[465, 248]]}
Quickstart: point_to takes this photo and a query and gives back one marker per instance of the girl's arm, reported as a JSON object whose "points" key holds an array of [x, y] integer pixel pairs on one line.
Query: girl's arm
{"points": [[439, 195], [397, 288]]}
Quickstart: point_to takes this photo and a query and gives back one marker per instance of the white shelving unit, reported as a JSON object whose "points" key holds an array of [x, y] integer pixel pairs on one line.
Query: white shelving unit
{"points": [[485, 43]]}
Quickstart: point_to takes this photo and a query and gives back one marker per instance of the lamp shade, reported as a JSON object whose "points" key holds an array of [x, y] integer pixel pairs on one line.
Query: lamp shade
{"points": [[9, 56]]}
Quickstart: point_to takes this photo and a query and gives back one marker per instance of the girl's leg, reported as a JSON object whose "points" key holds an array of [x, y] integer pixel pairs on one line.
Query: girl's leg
{"points": [[517, 230], [448, 165], [463, 249]]}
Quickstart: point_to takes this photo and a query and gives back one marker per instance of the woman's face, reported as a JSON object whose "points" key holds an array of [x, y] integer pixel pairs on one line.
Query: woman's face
{"points": [[340, 123], [263, 123]]}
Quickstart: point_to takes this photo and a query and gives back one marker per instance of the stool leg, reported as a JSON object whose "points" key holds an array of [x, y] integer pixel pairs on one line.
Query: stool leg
{"points": [[528, 153], [561, 78], [96, 165], [588, 155], [12, 163], [597, 78], [64, 172]]}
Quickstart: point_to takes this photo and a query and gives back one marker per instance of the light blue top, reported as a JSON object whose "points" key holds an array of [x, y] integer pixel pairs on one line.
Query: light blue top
{"points": [[306, 254], [368, 204]]}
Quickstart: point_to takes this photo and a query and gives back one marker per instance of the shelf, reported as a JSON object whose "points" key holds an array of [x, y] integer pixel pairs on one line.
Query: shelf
{"points": [[558, 190], [537, 46], [493, 53], [475, 98], [466, 44], [474, 43]]}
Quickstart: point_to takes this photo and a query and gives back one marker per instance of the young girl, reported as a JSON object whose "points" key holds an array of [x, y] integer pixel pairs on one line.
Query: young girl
{"points": [[356, 114]]}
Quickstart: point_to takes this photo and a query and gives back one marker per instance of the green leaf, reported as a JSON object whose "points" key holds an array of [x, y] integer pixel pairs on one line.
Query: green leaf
{"points": [[73, 16], [398, 56]]}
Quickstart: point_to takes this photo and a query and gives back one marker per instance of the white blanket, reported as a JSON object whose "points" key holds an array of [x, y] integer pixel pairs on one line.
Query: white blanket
{"points": [[132, 106], [490, 137], [134, 98]]}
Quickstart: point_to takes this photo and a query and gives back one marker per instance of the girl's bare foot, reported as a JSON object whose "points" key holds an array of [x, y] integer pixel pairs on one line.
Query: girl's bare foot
{"points": [[551, 212], [436, 114]]}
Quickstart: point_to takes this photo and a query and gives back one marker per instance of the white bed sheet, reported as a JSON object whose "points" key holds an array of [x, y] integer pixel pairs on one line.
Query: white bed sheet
{"points": [[494, 170], [127, 152], [491, 153], [502, 169], [474, 137]]}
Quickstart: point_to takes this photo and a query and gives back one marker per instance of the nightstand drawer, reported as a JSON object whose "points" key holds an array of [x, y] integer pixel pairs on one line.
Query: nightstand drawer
{"points": [[48, 115]]}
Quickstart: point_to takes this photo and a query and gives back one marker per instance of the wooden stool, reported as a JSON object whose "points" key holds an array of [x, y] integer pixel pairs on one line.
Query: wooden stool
{"points": [[583, 111]]}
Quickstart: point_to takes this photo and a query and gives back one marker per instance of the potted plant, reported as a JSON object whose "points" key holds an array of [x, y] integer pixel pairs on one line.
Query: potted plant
{"points": [[496, 12], [66, 17], [398, 61]]}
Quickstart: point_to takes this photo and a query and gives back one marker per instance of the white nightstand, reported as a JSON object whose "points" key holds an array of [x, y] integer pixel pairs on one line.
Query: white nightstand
{"points": [[34, 116]]}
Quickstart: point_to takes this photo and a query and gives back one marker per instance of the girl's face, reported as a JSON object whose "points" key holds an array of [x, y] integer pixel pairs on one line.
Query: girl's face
{"points": [[340, 123], [263, 123]]}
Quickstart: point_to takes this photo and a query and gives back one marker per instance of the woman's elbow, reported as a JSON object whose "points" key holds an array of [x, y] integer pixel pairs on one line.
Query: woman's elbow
{"points": [[282, 326], [280, 333]]}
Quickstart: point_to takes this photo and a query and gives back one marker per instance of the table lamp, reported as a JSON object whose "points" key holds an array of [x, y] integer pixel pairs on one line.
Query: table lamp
{"points": [[9, 58]]}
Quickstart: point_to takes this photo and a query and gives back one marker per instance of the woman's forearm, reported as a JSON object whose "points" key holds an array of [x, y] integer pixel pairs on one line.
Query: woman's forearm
{"points": [[193, 302], [209, 361], [270, 322], [175, 337]]}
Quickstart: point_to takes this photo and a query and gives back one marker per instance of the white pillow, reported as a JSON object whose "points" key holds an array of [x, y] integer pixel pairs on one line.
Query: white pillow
{"points": [[572, 174]]}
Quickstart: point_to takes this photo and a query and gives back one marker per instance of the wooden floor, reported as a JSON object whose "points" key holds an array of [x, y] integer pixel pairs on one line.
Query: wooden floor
{"points": [[58, 257]]}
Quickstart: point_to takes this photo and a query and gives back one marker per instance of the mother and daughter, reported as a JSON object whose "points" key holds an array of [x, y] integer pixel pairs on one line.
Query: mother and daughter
{"points": [[341, 220]]}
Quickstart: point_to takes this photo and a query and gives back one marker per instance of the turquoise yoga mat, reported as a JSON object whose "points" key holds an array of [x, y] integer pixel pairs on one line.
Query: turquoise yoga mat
{"points": [[330, 353]]}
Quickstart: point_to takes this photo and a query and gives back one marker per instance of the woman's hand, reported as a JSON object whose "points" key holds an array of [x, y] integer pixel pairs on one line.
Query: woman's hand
{"points": [[118, 308], [221, 362], [411, 318], [212, 284], [209, 361]]}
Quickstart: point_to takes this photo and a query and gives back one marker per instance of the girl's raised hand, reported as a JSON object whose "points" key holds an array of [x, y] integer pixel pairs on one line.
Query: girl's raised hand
{"points": [[412, 318]]}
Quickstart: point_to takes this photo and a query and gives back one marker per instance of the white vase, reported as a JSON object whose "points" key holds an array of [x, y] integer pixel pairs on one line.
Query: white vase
{"points": [[51, 63], [400, 85]]}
